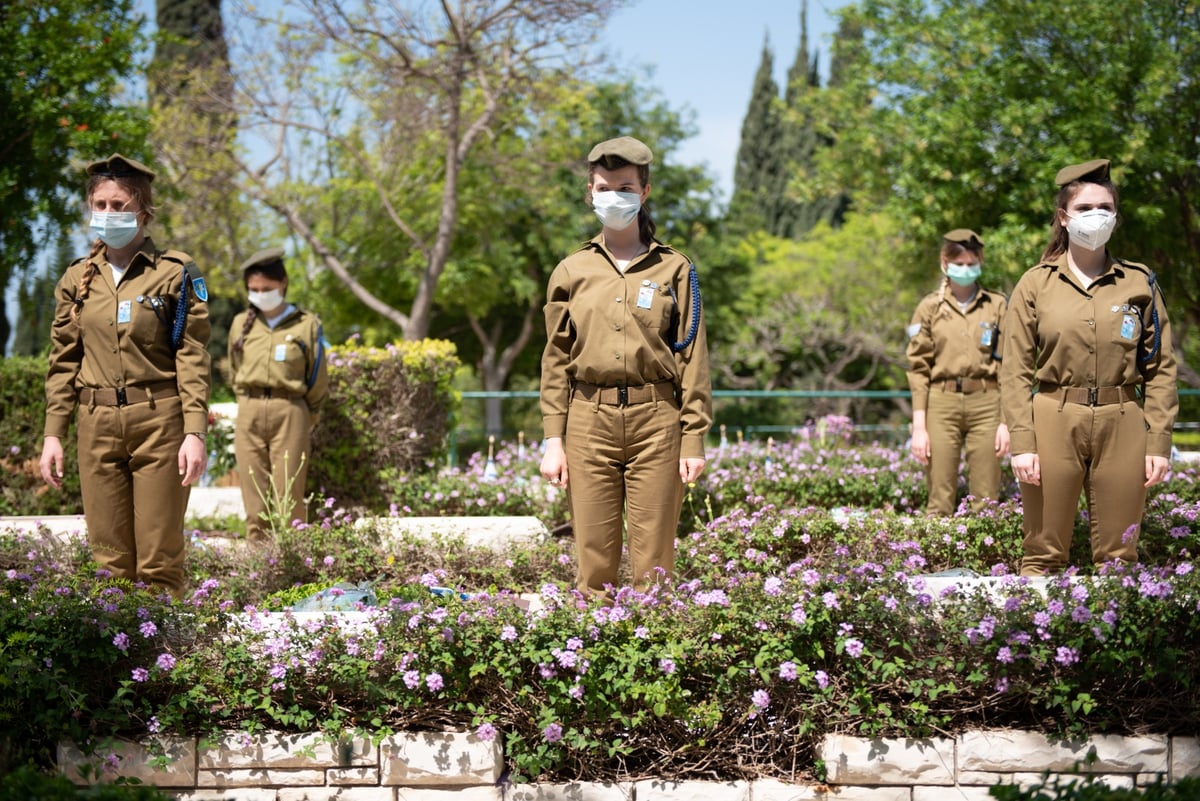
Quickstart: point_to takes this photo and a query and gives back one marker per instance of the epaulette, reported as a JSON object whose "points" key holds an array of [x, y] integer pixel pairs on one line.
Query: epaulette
{"points": [[1134, 265]]}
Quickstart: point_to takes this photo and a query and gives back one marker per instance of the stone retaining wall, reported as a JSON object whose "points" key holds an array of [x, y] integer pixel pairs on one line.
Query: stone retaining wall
{"points": [[455, 766]]}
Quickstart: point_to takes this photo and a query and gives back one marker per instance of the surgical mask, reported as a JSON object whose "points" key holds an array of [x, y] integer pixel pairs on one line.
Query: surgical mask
{"points": [[616, 209], [1092, 228], [115, 228], [267, 301], [963, 274]]}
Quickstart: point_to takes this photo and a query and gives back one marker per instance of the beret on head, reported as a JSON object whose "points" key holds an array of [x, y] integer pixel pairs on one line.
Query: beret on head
{"points": [[626, 147], [1093, 171], [965, 237], [118, 166], [262, 258]]}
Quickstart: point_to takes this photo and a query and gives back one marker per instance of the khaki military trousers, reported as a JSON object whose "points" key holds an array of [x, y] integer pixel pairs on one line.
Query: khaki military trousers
{"points": [[133, 499], [271, 443], [955, 420], [1100, 450], [623, 461]]}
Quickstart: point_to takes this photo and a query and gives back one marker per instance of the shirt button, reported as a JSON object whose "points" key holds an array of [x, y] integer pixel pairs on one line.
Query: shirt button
{"points": [[618, 300], [617, 327], [1091, 322], [114, 348]]}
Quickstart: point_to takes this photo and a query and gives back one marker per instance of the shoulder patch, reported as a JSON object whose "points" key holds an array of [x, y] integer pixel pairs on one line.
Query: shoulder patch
{"points": [[198, 284]]}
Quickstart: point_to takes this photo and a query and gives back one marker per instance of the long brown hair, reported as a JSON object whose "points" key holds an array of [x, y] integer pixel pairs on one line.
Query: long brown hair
{"points": [[276, 271], [138, 187], [1059, 238], [646, 226]]}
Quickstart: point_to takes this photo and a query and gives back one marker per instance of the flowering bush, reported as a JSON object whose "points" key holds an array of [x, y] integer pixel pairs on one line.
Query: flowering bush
{"points": [[787, 621]]}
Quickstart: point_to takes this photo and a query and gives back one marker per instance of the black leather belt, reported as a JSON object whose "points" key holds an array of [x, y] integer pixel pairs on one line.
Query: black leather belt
{"points": [[626, 396], [125, 396]]}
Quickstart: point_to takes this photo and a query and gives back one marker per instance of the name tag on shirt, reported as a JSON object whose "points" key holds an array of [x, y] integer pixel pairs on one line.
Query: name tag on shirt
{"points": [[281, 352], [985, 337], [124, 311], [645, 297], [1128, 327]]}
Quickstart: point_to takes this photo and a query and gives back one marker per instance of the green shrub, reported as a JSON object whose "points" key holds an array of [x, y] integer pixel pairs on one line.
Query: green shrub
{"points": [[388, 410], [1186, 789], [28, 784], [22, 421]]}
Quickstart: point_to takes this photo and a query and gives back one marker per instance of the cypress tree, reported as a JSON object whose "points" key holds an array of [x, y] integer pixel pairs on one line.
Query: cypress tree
{"points": [[758, 156]]}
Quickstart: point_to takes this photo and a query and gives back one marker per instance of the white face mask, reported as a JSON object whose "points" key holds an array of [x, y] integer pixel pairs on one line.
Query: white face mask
{"points": [[616, 209], [1092, 228], [267, 301], [115, 228]]}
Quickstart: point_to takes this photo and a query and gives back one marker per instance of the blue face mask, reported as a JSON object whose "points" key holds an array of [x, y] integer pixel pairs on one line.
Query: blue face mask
{"points": [[115, 228], [963, 274]]}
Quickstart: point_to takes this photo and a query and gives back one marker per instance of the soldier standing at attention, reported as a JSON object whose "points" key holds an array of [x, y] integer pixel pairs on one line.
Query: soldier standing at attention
{"points": [[953, 361], [129, 350], [277, 357], [1088, 381], [625, 394]]}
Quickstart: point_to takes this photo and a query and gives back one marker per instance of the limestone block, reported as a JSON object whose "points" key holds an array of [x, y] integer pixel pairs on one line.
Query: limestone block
{"points": [[1185, 757], [345, 777], [336, 794], [276, 750], [261, 777], [1010, 751], [64, 528], [488, 532], [133, 761], [775, 790], [574, 791], [955, 793], [476, 793], [422, 759], [239, 794], [658, 790], [856, 760]]}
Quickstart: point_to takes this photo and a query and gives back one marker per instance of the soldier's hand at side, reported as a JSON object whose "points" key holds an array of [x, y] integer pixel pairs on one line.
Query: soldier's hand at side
{"points": [[1002, 441], [920, 445], [51, 462], [554, 462], [1157, 468], [192, 458], [1027, 468], [690, 469]]}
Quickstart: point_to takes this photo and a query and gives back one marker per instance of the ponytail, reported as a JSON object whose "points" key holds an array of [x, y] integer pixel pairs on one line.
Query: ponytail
{"points": [[251, 314], [85, 281]]}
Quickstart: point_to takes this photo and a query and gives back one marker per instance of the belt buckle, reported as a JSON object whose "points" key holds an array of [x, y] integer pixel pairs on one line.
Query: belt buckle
{"points": [[122, 400], [1093, 398], [958, 384], [622, 396], [267, 393]]}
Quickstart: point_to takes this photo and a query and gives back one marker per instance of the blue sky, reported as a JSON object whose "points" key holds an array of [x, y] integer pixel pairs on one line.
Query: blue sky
{"points": [[702, 56]]}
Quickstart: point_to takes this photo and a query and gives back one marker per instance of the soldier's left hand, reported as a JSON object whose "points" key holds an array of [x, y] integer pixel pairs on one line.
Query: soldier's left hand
{"points": [[192, 459], [1157, 468], [690, 469]]}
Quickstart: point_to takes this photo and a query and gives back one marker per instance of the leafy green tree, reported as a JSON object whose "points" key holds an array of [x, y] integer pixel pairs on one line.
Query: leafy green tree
{"points": [[959, 114], [36, 302], [62, 68], [372, 112]]}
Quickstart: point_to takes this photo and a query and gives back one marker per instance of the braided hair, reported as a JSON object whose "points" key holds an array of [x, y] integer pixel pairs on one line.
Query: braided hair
{"points": [[274, 270], [138, 187]]}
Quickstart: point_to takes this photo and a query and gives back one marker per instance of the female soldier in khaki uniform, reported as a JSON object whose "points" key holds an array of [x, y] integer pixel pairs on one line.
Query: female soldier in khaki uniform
{"points": [[626, 396], [129, 348], [277, 357], [953, 357], [1087, 346]]}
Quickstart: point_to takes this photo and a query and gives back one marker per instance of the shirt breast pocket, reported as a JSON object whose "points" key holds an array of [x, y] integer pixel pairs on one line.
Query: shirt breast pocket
{"points": [[290, 359], [1125, 325], [653, 307]]}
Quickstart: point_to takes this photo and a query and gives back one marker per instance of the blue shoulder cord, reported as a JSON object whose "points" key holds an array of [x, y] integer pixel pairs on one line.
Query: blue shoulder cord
{"points": [[312, 376], [1154, 288], [694, 285], [181, 310]]}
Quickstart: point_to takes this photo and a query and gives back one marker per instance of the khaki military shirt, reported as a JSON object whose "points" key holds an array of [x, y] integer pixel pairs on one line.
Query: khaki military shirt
{"points": [[123, 337], [946, 342], [1062, 333], [288, 359], [609, 328]]}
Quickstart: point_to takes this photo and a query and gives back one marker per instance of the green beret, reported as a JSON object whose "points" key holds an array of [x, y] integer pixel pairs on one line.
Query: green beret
{"points": [[1093, 171], [965, 237], [624, 147], [118, 166], [262, 258]]}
